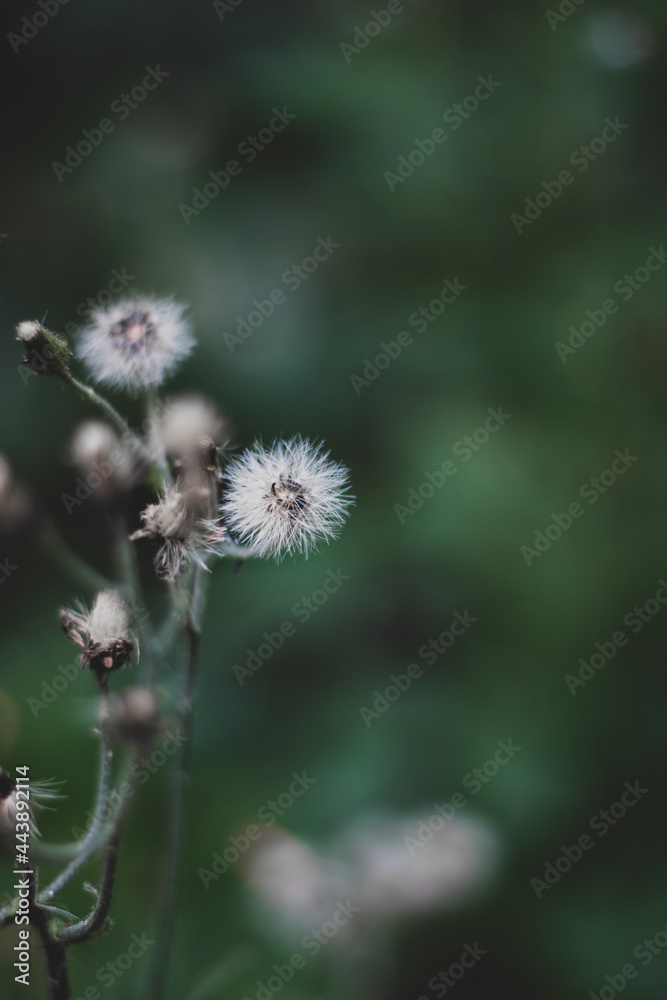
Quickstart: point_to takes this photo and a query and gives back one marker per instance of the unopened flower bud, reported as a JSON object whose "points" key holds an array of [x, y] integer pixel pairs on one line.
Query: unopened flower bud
{"points": [[46, 352], [134, 716]]}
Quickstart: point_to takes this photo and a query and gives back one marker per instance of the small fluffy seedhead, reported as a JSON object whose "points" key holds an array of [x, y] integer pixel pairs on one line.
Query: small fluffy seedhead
{"points": [[135, 343], [286, 498], [103, 633], [180, 522], [46, 352], [107, 465]]}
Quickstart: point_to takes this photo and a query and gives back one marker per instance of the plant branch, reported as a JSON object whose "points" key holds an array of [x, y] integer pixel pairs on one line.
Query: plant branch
{"points": [[110, 411], [56, 958], [91, 842], [192, 630], [94, 922]]}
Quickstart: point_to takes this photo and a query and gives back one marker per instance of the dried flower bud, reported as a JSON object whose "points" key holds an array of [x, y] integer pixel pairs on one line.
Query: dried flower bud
{"points": [[102, 633], [107, 466], [47, 353], [186, 534], [135, 343], [134, 716]]}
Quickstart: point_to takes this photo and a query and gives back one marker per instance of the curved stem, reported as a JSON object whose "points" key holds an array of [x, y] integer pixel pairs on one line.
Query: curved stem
{"points": [[94, 922], [91, 842], [110, 411], [56, 958]]}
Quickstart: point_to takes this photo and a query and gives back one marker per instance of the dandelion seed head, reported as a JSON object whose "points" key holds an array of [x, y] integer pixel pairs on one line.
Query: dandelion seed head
{"points": [[285, 498], [135, 343]]}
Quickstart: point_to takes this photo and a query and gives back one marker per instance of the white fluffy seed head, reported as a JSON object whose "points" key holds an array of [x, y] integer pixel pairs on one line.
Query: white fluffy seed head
{"points": [[135, 343], [109, 619], [285, 498], [182, 425]]}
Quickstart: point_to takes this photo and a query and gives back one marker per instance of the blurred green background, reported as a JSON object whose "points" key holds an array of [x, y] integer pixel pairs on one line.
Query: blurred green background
{"points": [[494, 347]]}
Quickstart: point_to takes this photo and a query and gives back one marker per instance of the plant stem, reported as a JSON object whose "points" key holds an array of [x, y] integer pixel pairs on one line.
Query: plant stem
{"points": [[192, 629], [91, 842], [96, 919], [56, 958], [110, 411]]}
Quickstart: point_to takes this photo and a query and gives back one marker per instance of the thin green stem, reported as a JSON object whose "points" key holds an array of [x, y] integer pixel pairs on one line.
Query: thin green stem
{"points": [[110, 411], [96, 919], [192, 629], [56, 958], [91, 842]]}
